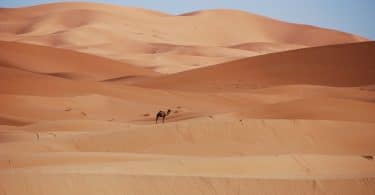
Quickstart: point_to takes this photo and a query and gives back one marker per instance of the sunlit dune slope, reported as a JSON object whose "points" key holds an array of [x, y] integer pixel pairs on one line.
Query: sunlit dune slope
{"points": [[65, 63], [139, 36]]}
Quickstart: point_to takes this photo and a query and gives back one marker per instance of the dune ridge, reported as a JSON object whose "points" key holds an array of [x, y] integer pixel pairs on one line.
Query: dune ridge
{"points": [[344, 65], [132, 35]]}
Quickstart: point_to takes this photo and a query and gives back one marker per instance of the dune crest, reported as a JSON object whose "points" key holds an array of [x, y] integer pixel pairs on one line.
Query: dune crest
{"points": [[128, 34]]}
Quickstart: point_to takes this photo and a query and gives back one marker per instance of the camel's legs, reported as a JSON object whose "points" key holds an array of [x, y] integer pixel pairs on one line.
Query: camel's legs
{"points": [[156, 121]]}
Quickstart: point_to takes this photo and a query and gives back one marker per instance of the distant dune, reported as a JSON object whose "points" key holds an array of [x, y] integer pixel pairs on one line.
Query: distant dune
{"points": [[138, 36], [65, 63]]}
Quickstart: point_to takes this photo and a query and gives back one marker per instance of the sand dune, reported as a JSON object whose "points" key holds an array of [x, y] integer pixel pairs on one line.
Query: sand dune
{"points": [[121, 33], [264, 46], [80, 184], [64, 63], [24, 84], [51, 15], [120, 103], [126, 164], [226, 137], [345, 65], [317, 108], [282, 108], [326, 157]]}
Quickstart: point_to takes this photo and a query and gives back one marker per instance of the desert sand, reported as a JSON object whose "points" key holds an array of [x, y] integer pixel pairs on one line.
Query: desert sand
{"points": [[166, 43], [262, 107]]}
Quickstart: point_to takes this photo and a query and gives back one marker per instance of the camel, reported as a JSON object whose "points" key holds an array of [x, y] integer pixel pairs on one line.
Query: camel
{"points": [[162, 114]]}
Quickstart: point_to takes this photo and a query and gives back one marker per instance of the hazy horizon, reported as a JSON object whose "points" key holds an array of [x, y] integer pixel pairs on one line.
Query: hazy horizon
{"points": [[346, 15]]}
